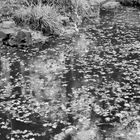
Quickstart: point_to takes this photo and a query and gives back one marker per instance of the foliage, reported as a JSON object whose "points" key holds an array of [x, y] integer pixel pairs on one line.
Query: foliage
{"points": [[116, 85], [105, 91], [42, 110], [106, 88]]}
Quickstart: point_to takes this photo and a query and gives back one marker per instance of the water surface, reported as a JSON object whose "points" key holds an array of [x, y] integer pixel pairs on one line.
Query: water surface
{"points": [[68, 65]]}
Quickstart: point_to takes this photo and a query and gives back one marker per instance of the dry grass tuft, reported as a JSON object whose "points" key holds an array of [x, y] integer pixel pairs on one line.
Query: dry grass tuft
{"points": [[39, 17]]}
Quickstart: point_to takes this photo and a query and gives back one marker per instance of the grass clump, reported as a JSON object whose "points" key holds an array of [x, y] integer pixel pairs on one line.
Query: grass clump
{"points": [[48, 15], [41, 17], [6, 9], [77, 9]]}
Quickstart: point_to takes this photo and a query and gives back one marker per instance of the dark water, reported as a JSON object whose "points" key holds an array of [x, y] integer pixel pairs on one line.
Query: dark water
{"points": [[66, 65]]}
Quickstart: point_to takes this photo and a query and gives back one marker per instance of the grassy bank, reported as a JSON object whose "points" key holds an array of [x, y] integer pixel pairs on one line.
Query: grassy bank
{"points": [[50, 17]]}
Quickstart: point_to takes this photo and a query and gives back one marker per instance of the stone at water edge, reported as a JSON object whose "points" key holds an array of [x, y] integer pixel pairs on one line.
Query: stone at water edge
{"points": [[8, 27], [7, 24], [23, 36], [91, 134], [38, 36], [2, 35], [111, 5]]}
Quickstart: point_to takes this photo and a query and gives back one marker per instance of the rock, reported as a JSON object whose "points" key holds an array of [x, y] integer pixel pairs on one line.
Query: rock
{"points": [[23, 37], [8, 24], [38, 36], [2, 35], [4, 38], [8, 27], [90, 134], [11, 31], [111, 5], [64, 20]]}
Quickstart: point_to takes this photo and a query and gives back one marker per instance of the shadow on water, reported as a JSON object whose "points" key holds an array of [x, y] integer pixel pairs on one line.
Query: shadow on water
{"points": [[66, 65], [15, 73]]}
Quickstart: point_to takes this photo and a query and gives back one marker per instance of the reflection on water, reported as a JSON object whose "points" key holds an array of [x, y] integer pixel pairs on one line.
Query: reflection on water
{"points": [[63, 67]]}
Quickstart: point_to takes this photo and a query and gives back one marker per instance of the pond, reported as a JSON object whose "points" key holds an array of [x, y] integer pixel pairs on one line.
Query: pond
{"points": [[80, 63]]}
